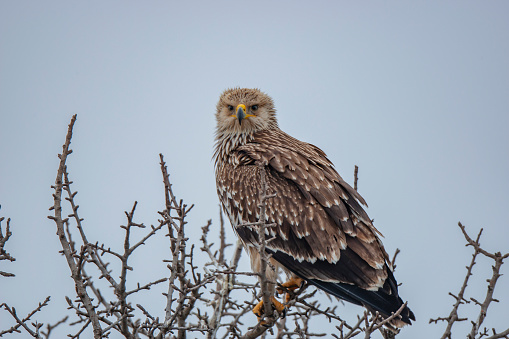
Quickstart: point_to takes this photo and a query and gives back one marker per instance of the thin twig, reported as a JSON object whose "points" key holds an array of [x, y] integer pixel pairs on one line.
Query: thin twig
{"points": [[355, 177], [23, 322], [3, 239]]}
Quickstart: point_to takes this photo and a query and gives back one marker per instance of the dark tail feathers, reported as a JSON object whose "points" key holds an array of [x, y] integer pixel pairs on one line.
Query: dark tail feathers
{"points": [[380, 300]]}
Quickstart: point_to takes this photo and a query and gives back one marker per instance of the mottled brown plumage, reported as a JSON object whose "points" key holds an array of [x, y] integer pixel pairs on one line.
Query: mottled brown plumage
{"points": [[322, 233]]}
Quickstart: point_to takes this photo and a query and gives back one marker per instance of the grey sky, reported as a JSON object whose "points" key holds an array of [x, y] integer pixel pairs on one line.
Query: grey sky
{"points": [[415, 93]]}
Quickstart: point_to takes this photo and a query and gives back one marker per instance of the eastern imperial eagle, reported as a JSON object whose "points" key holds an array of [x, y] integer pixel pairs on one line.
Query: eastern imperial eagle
{"points": [[322, 233]]}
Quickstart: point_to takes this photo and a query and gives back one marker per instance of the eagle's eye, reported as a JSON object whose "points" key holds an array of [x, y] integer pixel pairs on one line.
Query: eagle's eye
{"points": [[230, 107], [254, 107]]}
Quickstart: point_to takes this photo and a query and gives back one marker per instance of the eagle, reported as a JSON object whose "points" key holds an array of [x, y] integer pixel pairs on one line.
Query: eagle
{"points": [[319, 231]]}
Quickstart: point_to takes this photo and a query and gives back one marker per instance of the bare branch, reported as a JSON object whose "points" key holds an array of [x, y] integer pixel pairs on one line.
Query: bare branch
{"points": [[355, 177], [23, 322], [57, 207], [378, 325], [50, 327], [477, 246], [460, 298], [225, 286], [504, 334], [4, 255]]}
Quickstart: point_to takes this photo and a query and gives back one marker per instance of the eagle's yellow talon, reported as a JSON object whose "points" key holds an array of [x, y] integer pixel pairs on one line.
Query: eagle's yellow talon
{"points": [[258, 310], [277, 305], [290, 285]]}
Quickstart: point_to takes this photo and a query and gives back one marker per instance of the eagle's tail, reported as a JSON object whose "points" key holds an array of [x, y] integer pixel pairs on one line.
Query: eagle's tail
{"points": [[385, 301]]}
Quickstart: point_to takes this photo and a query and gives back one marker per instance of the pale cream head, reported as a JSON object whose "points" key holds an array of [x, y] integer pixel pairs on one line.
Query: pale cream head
{"points": [[245, 110]]}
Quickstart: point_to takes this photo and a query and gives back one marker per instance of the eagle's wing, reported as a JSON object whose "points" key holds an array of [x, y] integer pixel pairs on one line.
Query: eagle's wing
{"points": [[322, 233], [320, 222]]}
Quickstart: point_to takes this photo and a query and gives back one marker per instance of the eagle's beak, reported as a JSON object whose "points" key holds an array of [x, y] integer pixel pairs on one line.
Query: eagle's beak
{"points": [[241, 113]]}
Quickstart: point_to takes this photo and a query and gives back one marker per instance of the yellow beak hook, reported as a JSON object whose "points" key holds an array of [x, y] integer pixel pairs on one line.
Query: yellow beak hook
{"points": [[241, 113]]}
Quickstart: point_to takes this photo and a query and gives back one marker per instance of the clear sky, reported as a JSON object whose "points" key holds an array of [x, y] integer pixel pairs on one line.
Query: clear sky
{"points": [[416, 93]]}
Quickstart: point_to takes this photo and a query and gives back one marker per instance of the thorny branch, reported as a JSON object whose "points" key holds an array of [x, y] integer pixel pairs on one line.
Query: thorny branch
{"points": [[4, 255], [23, 322], [188, 290], [355, 177], [461, 300], [59, 221], [120, 309]]}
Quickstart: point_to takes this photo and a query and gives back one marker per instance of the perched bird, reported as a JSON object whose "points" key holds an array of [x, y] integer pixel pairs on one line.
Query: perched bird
{"points": [[322, 234]]}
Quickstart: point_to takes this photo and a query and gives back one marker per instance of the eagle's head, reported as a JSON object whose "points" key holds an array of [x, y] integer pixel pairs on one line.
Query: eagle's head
{"points": [[244, 111]]}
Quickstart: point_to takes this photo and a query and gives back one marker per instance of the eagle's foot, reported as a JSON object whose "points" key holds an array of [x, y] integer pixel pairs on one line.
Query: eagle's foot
{"points": [[258, 310], [289, 287]]}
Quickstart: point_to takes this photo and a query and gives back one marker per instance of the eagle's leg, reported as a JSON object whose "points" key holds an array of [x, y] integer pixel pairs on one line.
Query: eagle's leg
{"points": [[258, 309], [291, 285], [271, 276]]}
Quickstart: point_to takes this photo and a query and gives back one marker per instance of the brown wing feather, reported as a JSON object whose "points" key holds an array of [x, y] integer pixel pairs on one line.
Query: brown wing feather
{"points": [[317, 214]]}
